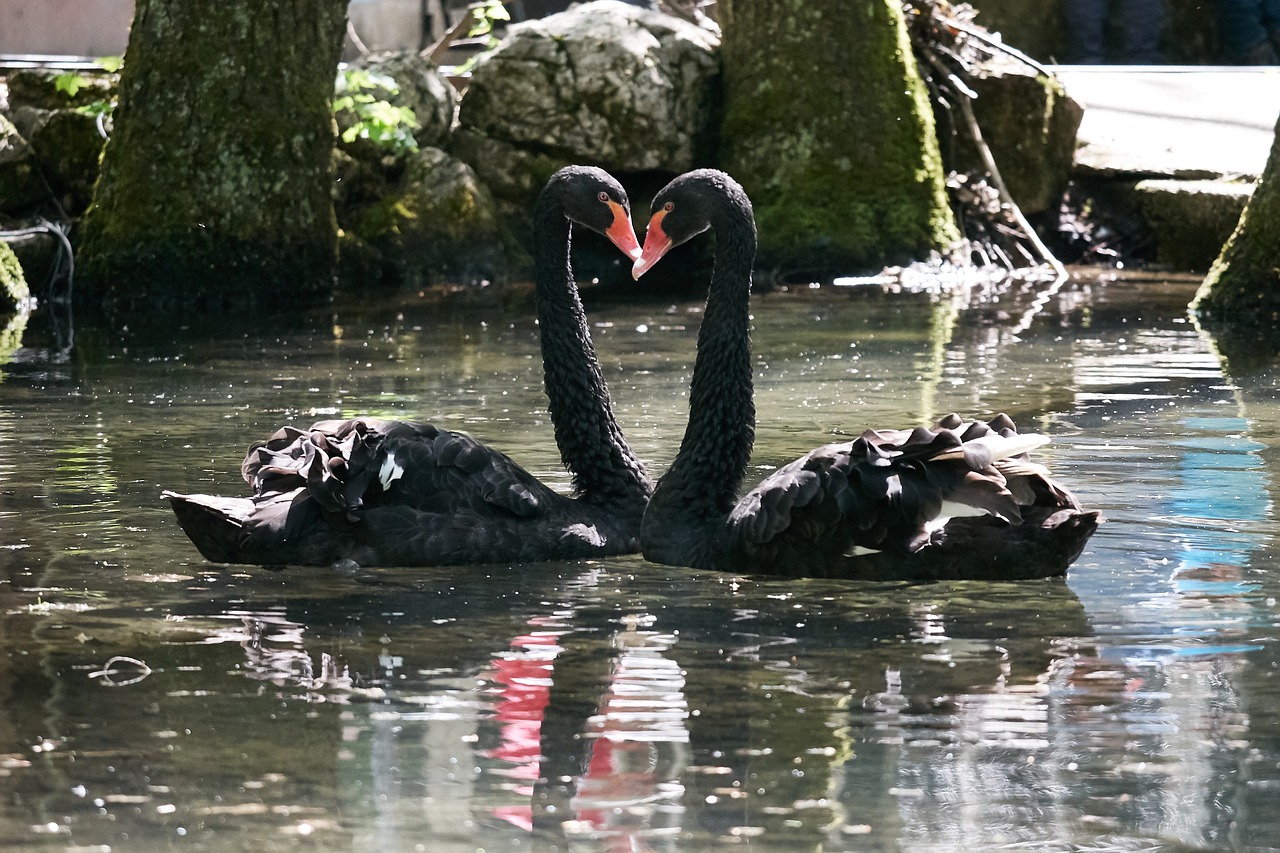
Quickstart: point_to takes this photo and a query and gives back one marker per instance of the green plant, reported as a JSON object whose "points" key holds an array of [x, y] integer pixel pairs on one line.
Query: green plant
{"points": [[370, 117], [71, 82], [485, 15]]}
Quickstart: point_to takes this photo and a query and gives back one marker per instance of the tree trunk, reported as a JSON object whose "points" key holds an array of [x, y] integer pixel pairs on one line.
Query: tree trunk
{"points": [[1243, 286], [216, 184], [828, 126]]}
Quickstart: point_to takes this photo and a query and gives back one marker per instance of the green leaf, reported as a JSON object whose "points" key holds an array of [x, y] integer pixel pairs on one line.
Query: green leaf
{"points": [[96, 108], [70, 82]]}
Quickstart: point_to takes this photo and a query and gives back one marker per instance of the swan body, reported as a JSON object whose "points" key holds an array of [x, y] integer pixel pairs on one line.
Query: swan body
{"points": [[394, 493], [391, 493], [960, 500]]}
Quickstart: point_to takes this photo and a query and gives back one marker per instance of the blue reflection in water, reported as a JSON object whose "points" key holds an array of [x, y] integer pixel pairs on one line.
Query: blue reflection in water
{"points": [[1135, 732], [1151, 725]]}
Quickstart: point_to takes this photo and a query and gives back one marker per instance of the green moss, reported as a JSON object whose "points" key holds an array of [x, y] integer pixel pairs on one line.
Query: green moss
{"points": [[438, 218], [13, 284], [841, 161], [221, 157], [1243, 286]]}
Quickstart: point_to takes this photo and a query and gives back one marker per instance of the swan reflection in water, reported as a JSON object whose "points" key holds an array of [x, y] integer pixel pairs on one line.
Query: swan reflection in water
{"points": [[754, 712]]}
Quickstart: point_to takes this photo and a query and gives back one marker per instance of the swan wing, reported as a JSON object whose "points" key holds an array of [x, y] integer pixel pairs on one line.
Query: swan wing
{"points": [[350, 465], [888, 490]]}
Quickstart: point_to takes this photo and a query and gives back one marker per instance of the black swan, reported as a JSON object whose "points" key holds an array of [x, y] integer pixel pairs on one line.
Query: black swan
{"points": [[961, 500], [390, 493]]}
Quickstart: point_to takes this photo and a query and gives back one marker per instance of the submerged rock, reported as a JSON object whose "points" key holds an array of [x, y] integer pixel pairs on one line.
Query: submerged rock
{"points": [[604, 82]]}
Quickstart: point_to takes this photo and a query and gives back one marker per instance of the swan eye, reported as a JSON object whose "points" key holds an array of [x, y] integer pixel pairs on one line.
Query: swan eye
{"points": [[603, 196], [668, 207]]}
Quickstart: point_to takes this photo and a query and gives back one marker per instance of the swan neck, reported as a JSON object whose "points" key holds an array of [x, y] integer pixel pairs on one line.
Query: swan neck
{"points": [[702, 485], [592, 446]]}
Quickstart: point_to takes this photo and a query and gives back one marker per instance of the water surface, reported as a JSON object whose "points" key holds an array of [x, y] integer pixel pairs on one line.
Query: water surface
{"points": [[152, 701]]}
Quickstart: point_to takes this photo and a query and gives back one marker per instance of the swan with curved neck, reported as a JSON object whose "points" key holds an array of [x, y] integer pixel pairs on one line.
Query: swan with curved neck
{"points": [[394, 493], [961, 500]]}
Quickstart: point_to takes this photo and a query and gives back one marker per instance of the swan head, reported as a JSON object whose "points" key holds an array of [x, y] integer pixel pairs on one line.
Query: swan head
{"points": [[684, 208], [591, 197]]}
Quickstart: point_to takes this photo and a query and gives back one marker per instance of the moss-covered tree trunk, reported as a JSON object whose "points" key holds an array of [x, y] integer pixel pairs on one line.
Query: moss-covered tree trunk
{"points": [[216, 183], [1243, 285], [828, 126]]}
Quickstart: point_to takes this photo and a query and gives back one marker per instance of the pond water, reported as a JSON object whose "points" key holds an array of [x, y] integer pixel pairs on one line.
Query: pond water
{"points": [[152, 701]]}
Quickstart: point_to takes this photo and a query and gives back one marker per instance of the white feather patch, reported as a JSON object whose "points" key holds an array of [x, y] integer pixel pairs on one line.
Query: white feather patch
{"points": [[390, 471], [955, 509], [950, 510], [860, 551], [586, 533], [1001, 447]]}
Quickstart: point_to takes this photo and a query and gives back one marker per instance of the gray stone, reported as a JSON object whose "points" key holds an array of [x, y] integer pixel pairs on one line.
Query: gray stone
{"points": [[604, 82], [510, 171]]}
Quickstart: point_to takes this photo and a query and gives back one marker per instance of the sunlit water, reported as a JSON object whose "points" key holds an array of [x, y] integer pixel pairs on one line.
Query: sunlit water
{"points": [[152, 701]]}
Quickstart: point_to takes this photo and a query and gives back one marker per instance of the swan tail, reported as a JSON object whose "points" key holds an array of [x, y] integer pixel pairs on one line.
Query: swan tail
{"points": [[278, 529], [214, 524]]}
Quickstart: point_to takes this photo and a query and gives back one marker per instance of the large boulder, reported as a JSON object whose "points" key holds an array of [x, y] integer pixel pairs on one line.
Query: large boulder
{"points": [[604, 82]]}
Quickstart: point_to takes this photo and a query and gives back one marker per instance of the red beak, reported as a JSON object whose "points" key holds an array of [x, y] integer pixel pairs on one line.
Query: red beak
{"points": [[621, 232], [656, 244]]}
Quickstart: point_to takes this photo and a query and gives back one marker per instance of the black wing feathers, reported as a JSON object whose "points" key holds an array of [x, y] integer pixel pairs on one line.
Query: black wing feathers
{"points": [[893, 490]]}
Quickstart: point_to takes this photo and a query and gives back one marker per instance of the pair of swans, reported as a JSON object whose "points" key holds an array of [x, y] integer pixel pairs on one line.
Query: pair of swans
{"points": [[961, 500]]}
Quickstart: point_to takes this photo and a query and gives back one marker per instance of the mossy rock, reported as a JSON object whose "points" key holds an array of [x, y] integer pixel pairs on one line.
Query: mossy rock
{"points": [[11, 330], [840, 158], [420, 87], [359, 182], [21, 184], [440, 222], [1192, 220], [38, 88], [512, 173], [13, 284], [68, 145], [1029, 123]]}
